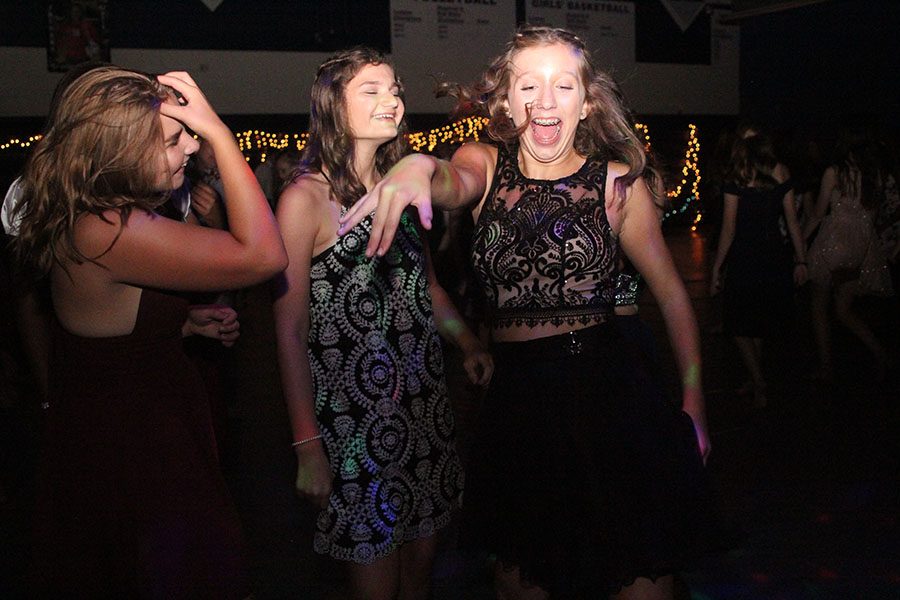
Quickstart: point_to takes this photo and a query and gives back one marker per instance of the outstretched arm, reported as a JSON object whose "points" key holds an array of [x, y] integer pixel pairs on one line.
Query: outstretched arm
{"points": [[726, 237], [421, 180]]}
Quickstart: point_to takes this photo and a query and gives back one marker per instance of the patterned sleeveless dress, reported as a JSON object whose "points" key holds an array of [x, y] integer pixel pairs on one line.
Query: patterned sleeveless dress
{"points": [[380, 397]]}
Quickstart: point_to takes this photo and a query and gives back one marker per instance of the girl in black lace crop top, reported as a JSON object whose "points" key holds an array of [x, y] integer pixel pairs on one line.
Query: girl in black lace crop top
{"points": [[570, 411]]}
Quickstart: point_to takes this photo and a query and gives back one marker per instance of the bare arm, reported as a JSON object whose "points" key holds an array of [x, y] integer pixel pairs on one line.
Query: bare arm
{"points": [[829, 182], [641, 239], [726, 237], [154, 251], [298, 222], [421, 180], [793, 226]]}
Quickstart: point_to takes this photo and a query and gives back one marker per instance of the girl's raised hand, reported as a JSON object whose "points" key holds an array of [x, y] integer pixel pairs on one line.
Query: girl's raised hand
{"points": [[191, 108]]}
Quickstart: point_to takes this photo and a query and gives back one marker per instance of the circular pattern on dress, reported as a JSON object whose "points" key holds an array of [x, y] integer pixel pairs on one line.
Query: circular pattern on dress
{"points": [[387, 438], [391, 502], [375, 366], [364, 304]]}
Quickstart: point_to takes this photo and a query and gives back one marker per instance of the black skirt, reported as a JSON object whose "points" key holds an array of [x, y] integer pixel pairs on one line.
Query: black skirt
{"points": [[583, 475]]}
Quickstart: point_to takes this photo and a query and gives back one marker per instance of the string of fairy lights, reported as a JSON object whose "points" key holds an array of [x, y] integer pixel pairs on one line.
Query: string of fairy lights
{"points": [[259, 145]]}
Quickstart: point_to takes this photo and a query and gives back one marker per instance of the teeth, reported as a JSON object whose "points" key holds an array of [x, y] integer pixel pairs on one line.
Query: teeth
{"points": [[384, 116], [546, 121]]}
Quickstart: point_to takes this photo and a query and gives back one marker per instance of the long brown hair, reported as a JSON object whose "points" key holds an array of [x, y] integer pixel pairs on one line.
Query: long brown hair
{"points": [[860, 166], [330, 150], [608, 128], [103, 151], [753, 159]]}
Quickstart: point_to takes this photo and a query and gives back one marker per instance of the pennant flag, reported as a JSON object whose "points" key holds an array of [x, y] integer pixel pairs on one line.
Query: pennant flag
{"points": [[212, 5], [683, 11]]}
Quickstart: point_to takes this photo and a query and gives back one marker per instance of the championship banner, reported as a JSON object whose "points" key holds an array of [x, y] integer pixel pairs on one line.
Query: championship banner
{"points": [[607, 28]]}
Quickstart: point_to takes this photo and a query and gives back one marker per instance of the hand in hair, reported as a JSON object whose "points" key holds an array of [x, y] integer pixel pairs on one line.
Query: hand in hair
{"points": [[191, 108]]}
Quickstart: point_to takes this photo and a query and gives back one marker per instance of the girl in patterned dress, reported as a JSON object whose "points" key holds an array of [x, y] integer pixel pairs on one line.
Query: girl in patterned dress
{"points": [[587, 484], [358, 348]]}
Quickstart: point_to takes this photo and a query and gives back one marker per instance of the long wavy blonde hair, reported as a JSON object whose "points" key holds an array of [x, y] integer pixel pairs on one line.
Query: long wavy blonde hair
{"points": [[608, 129], [103, 151]]}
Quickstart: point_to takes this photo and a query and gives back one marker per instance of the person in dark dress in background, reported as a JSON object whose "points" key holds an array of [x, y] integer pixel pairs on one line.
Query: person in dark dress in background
{"points": [[130, 498], [753, 266]]}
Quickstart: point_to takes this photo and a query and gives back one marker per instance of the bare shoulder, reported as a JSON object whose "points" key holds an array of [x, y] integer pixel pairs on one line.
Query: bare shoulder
{"points": [[307, 193], [617, 169], [477, 151], [96, 234]]}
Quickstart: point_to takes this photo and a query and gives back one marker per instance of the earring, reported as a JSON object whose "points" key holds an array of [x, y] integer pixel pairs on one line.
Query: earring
{"points": [[583, 115]]}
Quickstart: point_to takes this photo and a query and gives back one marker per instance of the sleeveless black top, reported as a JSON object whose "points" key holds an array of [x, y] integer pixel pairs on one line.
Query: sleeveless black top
{"points": [[543, 250]]}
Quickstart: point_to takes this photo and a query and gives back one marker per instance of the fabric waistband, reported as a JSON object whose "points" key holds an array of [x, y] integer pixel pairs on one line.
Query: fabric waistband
{"points": [[571, 343]]}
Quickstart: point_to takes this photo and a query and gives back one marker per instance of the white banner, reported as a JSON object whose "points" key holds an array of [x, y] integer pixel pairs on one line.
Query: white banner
{"points": [[446, 40], [607, 28]]}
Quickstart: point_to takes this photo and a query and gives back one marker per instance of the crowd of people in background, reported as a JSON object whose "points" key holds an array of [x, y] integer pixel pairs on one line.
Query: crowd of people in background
{"points": [[831, 216], [126, 236]]}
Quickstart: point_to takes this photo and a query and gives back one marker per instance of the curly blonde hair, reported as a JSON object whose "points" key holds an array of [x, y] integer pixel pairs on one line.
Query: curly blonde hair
{"points": [[607, 130], [103, 151]]}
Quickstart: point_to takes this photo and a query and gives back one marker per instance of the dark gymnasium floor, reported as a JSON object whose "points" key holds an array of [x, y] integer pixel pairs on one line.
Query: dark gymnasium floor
{"points": [[809, 487]]}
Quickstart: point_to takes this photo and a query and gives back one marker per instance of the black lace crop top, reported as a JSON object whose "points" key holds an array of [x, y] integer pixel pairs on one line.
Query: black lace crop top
{"points": [[543, 250]]}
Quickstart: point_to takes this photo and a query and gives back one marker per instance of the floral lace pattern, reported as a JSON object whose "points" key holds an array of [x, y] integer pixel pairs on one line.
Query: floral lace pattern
{"points": [[543, 250]]}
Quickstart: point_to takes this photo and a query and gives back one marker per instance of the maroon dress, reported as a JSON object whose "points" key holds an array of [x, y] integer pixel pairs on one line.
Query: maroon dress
{"points": [[131, 501]]}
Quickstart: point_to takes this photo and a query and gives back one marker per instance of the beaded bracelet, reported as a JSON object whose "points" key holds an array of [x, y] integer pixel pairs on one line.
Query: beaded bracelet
{"points": [[309, 439]]}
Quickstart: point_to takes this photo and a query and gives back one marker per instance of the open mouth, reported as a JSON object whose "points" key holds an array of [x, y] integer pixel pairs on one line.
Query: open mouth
{"points": [[546, 130], [384, 116]]}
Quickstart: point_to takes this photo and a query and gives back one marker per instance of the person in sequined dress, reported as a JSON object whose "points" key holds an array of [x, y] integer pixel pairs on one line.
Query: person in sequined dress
{"points": [[586, 483], [846, 257], [359, 349]]}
